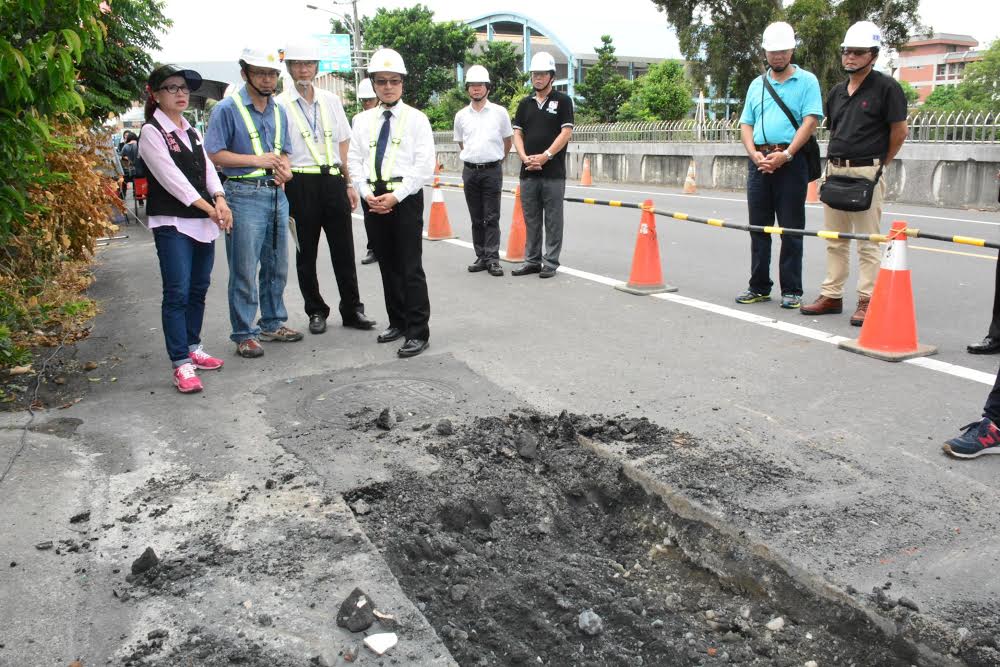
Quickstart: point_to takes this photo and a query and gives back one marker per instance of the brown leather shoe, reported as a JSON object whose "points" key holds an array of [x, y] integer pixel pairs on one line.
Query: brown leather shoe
{"points": [[824, 305], [858, 318]]}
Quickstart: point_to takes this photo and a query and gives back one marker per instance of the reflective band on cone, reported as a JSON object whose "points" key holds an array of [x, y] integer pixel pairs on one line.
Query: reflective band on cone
{"points": [[890, 328], [647, 274], [518, 236]]}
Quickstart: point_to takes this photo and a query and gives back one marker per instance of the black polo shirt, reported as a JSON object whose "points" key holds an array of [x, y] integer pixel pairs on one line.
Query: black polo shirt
{"points": [[859, 123], [540, 126]]}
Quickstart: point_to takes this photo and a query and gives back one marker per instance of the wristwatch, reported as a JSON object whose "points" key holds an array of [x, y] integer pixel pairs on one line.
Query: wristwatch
{"points": [[788, 156], [548, 155], [218, 194]]}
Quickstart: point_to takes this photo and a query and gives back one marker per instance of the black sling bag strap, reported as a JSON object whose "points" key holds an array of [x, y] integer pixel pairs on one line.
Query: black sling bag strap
{"points": [[810, 151]]}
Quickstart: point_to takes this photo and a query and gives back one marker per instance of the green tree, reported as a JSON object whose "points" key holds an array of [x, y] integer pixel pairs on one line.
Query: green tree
{"points": [[912, 95], [662, 93], [503, 62], [441, 112], [111, 82], [981, 83], [603, 90], [431, 50]]}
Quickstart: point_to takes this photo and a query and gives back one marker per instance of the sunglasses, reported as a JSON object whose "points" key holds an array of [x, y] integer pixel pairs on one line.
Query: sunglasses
{"points": [[264, 73], [854, 52], [175, 88], [387, 82]]}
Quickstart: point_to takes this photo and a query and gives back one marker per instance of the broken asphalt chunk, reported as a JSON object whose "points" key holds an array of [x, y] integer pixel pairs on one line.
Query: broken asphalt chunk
{"points": [[147, 560], [357, 612]]}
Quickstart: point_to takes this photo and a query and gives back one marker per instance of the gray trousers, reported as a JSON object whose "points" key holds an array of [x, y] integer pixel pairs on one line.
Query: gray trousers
{"points": [[538, 196]]}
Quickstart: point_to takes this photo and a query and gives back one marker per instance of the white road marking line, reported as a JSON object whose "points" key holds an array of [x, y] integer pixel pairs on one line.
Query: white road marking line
{"points": [[953, 369]]}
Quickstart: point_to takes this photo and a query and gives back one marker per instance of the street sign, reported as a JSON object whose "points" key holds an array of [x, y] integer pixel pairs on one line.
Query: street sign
{"points": [[336, 53]]}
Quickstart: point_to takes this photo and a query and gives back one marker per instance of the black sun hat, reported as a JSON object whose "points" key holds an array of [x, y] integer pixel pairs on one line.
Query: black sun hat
{"points": [[164, 72]]}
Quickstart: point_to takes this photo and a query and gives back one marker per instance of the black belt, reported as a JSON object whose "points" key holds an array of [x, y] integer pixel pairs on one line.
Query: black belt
{"points": [[851, 162], [770, 148], [255, 182], [484, 165]]}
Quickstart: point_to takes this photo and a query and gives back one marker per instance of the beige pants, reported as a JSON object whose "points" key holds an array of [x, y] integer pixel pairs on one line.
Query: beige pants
{"points": [[838, 251]]}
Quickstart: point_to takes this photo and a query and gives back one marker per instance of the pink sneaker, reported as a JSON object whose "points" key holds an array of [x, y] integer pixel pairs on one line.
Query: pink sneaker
{"points": [[186, 380], [204, 361]]}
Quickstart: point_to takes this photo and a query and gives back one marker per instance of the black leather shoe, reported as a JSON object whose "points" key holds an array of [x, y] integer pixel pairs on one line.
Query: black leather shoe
{"points": [[369, 258], [317, 323], [360, 321], [546, 272], [477, 266], [526, 269], [389, 335], [412, 347], [495, 269], [990, 345]]}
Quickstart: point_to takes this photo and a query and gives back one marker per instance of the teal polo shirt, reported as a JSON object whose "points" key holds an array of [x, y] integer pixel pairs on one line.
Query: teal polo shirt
{"points": [[228, 131], [799, 92]]}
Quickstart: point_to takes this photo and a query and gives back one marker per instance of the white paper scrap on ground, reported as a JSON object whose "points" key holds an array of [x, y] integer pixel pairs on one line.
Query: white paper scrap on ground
{"points": [[381, 642]]}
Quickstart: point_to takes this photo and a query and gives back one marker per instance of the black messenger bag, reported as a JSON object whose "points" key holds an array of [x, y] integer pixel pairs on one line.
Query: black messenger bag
{"points": [[849, 193]]}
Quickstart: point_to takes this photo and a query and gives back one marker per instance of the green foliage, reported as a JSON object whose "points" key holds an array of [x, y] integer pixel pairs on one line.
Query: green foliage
{"points": [[912, 95], [11, 354], [503, 62], [442, 112], [110, 83], [603, 89], [430, 49], [528, 91], [660, 94]]}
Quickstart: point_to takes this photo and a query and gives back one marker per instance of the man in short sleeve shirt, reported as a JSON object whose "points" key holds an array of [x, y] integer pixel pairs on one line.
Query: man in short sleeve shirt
{"points": [[543, 125], [867, 119]]}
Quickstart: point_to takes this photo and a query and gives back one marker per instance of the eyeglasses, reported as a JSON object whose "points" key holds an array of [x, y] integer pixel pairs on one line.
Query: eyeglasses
{"points": [[175, 88], [539, 74], [264, 73], [388, 82], [854, 52]]}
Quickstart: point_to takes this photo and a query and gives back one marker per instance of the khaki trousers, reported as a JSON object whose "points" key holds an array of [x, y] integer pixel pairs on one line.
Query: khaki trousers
{"points": [[838, 251]]}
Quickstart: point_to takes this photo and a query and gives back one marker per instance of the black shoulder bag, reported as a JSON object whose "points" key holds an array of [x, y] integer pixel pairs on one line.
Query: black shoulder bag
{"points": [[810, 151]]}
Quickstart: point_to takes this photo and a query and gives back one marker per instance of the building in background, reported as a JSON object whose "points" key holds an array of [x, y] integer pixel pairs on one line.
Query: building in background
{"points": [[929, 61]]}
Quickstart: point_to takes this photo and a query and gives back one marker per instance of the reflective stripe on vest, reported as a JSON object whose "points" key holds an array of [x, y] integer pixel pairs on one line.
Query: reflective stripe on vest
{"points": [[389, 159], [258, 149], [307, 136]]}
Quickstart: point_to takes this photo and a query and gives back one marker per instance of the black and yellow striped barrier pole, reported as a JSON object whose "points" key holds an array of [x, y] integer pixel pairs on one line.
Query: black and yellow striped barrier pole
{"points": [[462, 187], [911, 232]]}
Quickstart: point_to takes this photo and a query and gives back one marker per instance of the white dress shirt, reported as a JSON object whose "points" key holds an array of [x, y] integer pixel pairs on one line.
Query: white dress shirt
{"points": [[415, 158], [482, 133], [313, 115]]}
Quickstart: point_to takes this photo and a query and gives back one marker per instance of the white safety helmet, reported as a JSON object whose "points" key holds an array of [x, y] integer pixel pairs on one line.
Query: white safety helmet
{"points": [[386, 60], [778, 37], [365, 90], [260, 58], [542, 62], [305, 49], [863, 34], [477, 74]]}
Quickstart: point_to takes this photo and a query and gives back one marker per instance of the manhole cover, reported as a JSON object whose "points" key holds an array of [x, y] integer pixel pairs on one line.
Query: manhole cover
{"points": [[424, 399]]}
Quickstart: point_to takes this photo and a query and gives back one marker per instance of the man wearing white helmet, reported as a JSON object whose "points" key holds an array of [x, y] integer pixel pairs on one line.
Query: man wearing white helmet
{"points": [[543, 125], [782, 108], [367, 99], [248, 137], [867, 119], [319, 196], [391, 157], [484, 135]]}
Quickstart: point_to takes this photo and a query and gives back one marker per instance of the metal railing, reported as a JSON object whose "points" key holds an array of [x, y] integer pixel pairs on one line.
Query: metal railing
{"points": [[951, 127]]}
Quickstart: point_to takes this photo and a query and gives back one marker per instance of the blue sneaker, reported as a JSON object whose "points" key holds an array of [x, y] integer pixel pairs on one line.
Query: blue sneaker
{"points": [[978, 438], [791, 301]]}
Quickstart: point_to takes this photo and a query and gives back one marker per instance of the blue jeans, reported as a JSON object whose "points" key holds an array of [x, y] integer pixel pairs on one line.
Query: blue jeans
{"points": [[780, 195], [259, 239], [186, 271]]}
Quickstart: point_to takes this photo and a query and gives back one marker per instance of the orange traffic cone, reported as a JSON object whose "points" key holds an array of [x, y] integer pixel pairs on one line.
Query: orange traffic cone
{"points": [[518, 236], [890, 329], [690, 187], [438, 227], [812, 194], [585, 179], [647, 275]]}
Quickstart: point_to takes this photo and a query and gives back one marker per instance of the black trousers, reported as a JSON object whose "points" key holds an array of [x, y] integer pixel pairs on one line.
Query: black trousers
{"points": [[397, 241], [319, 202], [780, 195], [482, 195], [995, 322]]}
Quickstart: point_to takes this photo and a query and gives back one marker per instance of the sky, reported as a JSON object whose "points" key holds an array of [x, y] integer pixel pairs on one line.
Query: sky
{"points": [[219, 29]]}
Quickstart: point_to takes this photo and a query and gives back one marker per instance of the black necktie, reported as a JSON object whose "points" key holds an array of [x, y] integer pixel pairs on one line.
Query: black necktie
{"points": [[383, 140]]}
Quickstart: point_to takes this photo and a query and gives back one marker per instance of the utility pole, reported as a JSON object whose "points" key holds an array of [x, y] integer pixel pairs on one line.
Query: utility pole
{"points": [[357, 46]]}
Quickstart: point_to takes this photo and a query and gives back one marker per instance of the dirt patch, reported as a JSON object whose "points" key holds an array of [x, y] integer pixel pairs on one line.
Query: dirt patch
{"points": [[57, 378], [524, 547]]}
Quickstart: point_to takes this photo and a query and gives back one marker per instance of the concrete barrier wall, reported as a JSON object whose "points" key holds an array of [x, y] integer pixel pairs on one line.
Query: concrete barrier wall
{"points": [[953, 175]]}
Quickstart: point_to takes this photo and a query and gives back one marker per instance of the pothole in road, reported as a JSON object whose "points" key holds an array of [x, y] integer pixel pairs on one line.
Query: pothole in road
{"points": [[525, 548]]}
